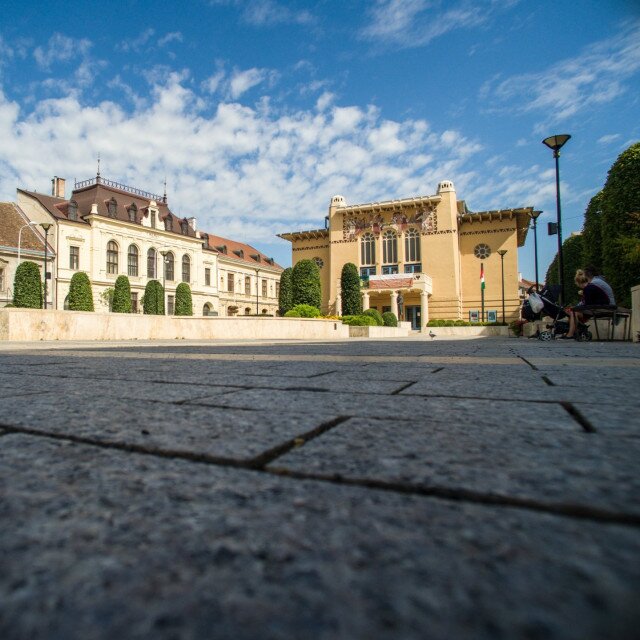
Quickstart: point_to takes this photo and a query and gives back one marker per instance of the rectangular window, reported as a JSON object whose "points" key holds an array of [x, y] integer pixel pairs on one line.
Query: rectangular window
{"points": [[230, 282], [277, 289], [171, 305], [264, 288], [389, 268], [413, 268], [74, 258], [365, 272], [247, 285], [207, 276], [134, 302]]}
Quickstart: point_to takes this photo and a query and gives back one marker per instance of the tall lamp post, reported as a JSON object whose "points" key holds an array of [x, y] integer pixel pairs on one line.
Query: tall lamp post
{"points": [[164, 281], [30, 224], [46, 226], [501, 253], [555, 143], [534, 217], [257, 288]]}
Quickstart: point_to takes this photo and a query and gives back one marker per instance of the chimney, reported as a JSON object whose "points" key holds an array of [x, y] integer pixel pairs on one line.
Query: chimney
{"points": [[192, 223], [57, 187]]}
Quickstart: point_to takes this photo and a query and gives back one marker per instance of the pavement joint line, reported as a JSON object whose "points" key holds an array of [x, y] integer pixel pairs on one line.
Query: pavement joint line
{"points": [[438, 369], [318, 375], [569, 510], [533, 366], [402, 388], [548, 382], [578, 416]]}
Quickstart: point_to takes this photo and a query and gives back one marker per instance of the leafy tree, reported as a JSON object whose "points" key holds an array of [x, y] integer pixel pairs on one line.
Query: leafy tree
{"points": [[573, 258], [592, 232], [305, 283], [153, 300], [80, 294], [107, 297], [350, 290], [122, 296], [621, 224], [27, 286], [184, 304], [285, 299]]}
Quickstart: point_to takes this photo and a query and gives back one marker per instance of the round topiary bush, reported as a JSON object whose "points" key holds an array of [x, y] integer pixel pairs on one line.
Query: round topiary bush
{"points": [[350, 290], [184, 304], [305, 283], [303, 311], [375, 314], [153, 299], [27, 286], [359, 321], [285, 297], [80, 294], [389, 319], [121, 302]]}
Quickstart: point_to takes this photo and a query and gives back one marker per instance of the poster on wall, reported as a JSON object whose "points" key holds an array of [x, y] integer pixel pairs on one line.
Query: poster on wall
{"points": [[492, 316], [474, 315]]}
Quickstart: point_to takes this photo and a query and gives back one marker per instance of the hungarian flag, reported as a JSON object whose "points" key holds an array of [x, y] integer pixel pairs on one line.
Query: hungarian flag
{"points": [[482, 276]]}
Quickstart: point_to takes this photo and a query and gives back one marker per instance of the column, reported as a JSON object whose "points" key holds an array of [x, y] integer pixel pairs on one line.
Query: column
{"points": [[424, 315], [394, 303], [365, 300]]}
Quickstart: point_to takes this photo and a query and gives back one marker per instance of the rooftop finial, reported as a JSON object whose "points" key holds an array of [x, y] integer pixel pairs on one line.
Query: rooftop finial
{"points": [[164, 196], [98, 174]]}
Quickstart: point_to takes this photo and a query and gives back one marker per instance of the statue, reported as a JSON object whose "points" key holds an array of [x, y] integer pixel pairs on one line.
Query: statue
{"points": [[400, 303]]}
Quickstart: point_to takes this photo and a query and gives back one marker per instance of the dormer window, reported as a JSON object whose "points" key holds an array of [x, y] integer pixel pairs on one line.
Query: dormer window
{"points": [[168, 223], [72, 211], [184, 227], [112, 208], [133, 212]]}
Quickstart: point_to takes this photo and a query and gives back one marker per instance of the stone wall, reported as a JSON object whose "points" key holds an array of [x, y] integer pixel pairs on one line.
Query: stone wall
{"points": [[635, 313]]}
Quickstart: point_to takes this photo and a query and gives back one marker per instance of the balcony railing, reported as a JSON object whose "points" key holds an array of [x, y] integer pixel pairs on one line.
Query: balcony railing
{"points": [[122, 187]]}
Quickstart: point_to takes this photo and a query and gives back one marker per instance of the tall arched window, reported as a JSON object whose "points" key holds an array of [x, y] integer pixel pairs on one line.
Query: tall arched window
{"points": [[132, 260], [186, 268], [133, 212], [368, 249], [168, 266], [112, 257], [412, 246], [168, 223], [389, 248], [112, 207], [151, 263]]}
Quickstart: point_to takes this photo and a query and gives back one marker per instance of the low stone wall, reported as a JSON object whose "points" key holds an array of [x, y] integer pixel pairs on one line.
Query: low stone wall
{"points": [[380, 332], [468, 332], [635, 313], [36, 324]]}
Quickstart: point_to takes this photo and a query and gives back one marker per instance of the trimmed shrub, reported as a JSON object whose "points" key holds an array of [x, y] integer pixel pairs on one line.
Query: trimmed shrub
{"points": [[461, 323], [305, 284], [27, 286], [303, 311], [80, 294], [592, 233], [389, 319], [350, 290], [184, 304], [121, 296], [285, 297], [375, 314], [153, 299], [359, 321]]}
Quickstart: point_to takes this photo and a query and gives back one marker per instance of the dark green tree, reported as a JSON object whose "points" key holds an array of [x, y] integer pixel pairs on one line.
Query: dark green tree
{"points": [[80, 294], [184, 304], [27, 286], [153, 300], [285, 298], [305, 283], [350, 290], [621, 225], [573, 258], [592, 232], [389, 319], [121, 296]]}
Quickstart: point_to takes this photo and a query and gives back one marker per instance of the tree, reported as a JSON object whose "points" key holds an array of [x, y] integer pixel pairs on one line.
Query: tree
{"points": [[184, 304], [121, 296], [285, 299], [621, 224], [573, 259], [592, 232], [27, 286], [305, 283], [80, 294], [350, 290], [153, 299]]}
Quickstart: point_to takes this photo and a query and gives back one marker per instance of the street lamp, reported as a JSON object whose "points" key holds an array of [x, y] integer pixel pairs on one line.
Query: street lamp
{"points": [[555, 143], [501, 253], [30, 224], [534, 216], [257, 288], [164, 281], [46, 226]]}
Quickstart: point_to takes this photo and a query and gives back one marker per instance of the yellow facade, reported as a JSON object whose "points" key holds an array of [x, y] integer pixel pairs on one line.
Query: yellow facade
{"points": [[426, 249]]}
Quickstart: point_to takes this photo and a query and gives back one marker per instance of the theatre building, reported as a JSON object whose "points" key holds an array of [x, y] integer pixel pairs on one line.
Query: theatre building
{"points": [[422, 255]]}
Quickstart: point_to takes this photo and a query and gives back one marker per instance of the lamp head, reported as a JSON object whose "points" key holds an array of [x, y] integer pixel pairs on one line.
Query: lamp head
{"points": [[501, 252], [46, 226], [556, 142], [536, 214]]}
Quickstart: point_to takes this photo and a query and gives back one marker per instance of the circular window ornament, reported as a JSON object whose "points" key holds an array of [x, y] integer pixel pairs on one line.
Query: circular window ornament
{"points": [[319, 262], [482, 251]]}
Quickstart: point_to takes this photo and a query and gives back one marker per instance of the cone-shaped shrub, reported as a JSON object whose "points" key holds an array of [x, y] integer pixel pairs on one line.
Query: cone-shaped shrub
{"points": [[184, 304], [153, 301], [305, 283], [122, 296], [285, 299], [80, 295], [350, 290], [27, 286]]}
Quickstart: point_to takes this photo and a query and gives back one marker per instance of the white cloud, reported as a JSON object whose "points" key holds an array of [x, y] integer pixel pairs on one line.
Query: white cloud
{"points": [[241, 81], [174, 36], [60, 48], [266, 13], [608, 139]]}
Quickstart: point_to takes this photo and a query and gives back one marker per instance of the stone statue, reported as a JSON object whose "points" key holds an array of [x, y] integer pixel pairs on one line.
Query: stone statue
{"points": [[400, 303]]}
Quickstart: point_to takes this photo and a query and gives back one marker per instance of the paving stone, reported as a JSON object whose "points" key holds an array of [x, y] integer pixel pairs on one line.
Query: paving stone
{"points": [[552, 466], [612, 419], [103, 544]]}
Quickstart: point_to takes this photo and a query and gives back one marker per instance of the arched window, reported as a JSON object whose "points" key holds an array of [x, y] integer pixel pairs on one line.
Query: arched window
{"points": [[133, 212], [247, 285], [412, 246], [132, 260], [168, 223], [112, 257], [112, 208], [247, 311], [184, 227], [151, 263], [389, 248], [207, 309], [186, 268], [168, 266], [72, 211], [368, 249]]}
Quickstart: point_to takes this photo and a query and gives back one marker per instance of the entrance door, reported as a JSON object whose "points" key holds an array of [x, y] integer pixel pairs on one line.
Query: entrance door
{"points": [[412, 314]]}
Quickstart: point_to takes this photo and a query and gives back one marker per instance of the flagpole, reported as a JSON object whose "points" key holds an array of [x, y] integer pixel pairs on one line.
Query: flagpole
{"points": [[482, 290]]}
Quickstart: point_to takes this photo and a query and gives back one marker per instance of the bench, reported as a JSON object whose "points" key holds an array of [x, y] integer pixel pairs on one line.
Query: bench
{"points": [[611, 313]]}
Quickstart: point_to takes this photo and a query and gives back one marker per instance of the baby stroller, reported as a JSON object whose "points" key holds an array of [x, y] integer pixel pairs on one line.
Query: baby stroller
{"points": [[544, 304]]}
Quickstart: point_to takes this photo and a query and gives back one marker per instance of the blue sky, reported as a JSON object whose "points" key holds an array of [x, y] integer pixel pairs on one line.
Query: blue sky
{"points": [[258, 111]]}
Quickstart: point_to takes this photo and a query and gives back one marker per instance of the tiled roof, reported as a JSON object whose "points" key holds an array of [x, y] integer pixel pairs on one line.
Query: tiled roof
{"points": [[11, 221], [240, 252], [50, 203]]}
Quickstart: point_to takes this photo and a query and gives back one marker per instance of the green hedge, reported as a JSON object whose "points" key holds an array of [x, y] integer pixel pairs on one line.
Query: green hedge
{"points": [[375, 314], [121, 296], [350, 290], [303, 311], [389, 319], [359, 321], [461, 323], [305, 283], [184, 303], [285, 297], [153, 299], [80, 294], [27, 286]]}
